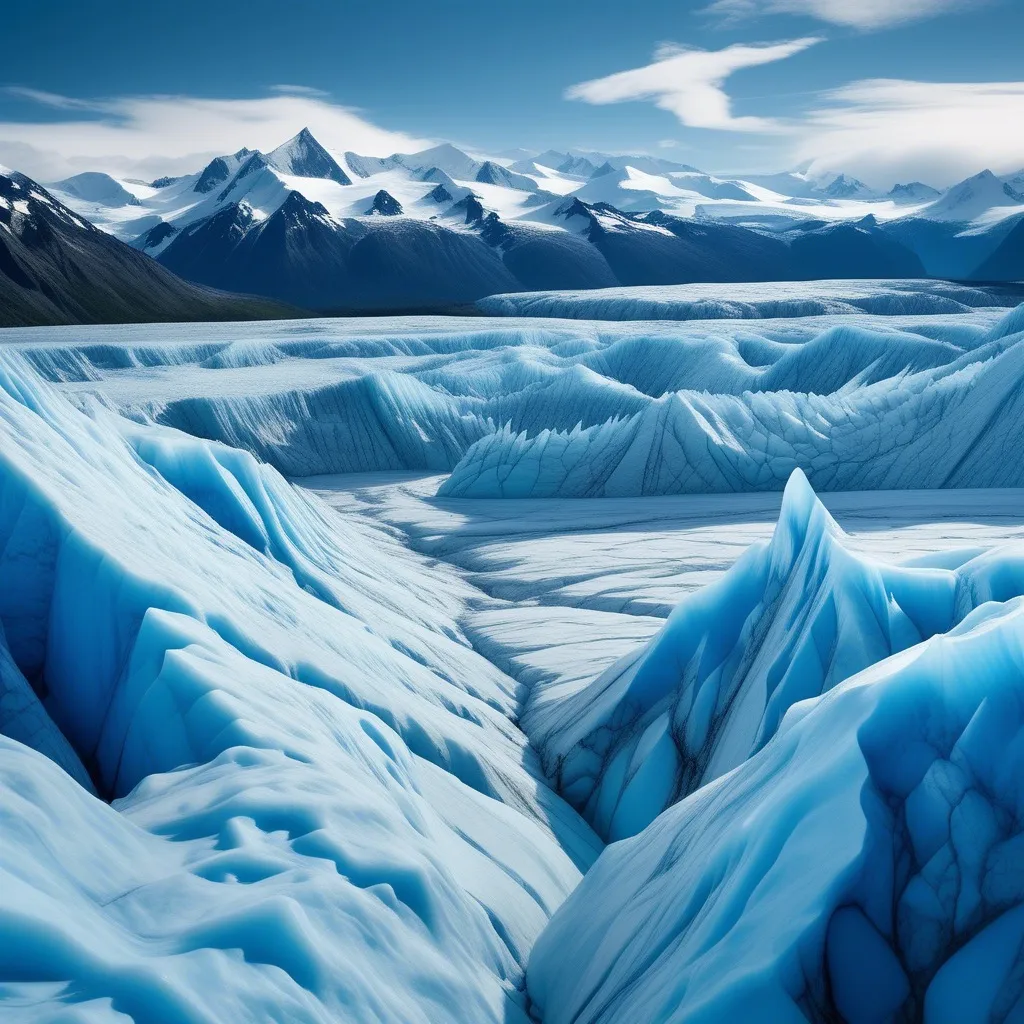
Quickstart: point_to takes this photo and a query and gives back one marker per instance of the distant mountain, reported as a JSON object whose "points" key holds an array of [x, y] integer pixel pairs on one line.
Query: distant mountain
{"points": [[973, 198], [384, 205], [304, 157], [367, 166], [859, 250], [913, 192], [301, 225], [452, 161], [844, 187], [494, 174], [301, 255], [217, 171], [56, 268], [96, 187]]}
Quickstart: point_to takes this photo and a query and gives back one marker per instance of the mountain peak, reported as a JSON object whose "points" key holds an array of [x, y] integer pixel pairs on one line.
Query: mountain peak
{"points": [[384, 205], [303, 156]]}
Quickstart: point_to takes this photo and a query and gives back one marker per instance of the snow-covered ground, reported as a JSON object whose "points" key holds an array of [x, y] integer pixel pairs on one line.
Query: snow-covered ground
{"points": [[350, 748]]}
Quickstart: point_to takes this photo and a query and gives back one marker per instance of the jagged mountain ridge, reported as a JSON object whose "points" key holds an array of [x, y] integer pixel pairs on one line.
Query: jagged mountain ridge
{"points": [[56, 268]]}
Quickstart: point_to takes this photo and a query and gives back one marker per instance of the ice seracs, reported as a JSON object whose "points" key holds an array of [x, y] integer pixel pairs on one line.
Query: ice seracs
{"points": [[299, 743]]}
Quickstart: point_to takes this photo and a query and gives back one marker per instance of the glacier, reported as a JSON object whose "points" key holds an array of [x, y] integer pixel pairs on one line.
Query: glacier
{"points": [[483, 395], [381, 744], [742, 301], [951, 425]]}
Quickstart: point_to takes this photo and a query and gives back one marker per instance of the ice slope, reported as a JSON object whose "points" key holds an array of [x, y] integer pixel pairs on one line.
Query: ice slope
{"points": [[741, 301], [952, 425], [865, 865], [322, 808], [790, 621]]}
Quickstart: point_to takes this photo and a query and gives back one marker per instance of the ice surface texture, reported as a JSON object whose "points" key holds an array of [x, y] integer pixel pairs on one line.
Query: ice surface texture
{"points": [[956, 424], [661, 407], [323, 809], [865, 863]]}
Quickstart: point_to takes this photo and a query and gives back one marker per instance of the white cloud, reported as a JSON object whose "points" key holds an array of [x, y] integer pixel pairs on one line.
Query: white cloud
{"points": [[864, 14], [689, 84], [147, 136], [883, 129]]}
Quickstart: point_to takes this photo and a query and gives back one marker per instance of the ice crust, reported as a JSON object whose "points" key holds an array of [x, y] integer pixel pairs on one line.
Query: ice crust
{"points": [[322, 808], [854, 856]]}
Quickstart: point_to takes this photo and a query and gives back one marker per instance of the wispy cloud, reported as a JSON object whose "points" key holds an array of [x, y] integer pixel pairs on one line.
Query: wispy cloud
{"points": [[146, 136], [689, 83], [299, 90], [883, 129], [57, 102], [863, 14]]}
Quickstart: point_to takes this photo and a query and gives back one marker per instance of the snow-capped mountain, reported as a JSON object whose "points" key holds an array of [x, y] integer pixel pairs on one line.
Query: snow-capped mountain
{"points": [[983, 195], [304, 157], [492, 223], [915, 192], [96, 187], [843, 187]]}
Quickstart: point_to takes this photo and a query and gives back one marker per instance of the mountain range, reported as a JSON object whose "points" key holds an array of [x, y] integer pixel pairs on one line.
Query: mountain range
{"points": [[330, 230]]}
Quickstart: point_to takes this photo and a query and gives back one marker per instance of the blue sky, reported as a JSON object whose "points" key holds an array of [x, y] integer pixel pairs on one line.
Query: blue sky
{"points": [[884, 88]]}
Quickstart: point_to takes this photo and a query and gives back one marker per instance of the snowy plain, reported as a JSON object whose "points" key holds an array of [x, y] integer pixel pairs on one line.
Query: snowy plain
{"points": [[350, 747]]}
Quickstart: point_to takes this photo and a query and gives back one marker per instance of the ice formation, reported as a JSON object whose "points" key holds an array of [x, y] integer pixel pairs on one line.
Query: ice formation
{"points": [[327, 396], [322, 808], [956, 424], [791, 620], [866, 865]]}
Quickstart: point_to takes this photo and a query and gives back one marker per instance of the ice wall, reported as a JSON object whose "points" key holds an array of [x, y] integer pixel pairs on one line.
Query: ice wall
{"points": [[322, 808], [865, 863]]}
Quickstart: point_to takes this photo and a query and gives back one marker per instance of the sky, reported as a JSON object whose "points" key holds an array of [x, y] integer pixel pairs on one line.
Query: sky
{"points": [[887, 90]]}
